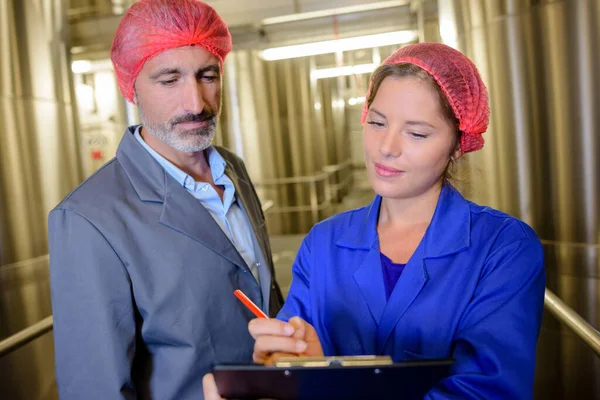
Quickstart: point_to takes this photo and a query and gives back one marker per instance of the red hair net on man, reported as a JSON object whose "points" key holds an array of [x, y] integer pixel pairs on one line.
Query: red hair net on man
{"points": [[150, 27], [459, 80]]}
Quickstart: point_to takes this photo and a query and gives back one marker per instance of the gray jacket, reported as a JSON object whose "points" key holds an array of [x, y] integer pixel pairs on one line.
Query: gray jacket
{"points": [[142, 282]]}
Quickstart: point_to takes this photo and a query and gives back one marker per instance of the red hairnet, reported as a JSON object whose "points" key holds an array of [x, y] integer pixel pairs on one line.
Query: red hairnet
{"points": [[150, 27], [460, 81]]}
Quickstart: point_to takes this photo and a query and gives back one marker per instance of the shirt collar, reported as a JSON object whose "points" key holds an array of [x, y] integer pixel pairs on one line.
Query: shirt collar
{"points": [[215, 161], [448, 232]]}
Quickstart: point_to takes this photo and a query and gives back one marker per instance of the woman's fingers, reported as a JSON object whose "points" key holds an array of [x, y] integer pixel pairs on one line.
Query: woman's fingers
{"points": [[297, 337], [273, 358], [299, 326], [272, 327], [265, 346]]}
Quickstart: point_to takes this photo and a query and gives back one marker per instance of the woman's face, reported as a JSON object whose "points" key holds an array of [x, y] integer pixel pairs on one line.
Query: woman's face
{"points": [[407, 142]]}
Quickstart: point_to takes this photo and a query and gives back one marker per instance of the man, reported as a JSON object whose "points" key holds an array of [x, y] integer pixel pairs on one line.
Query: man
{"points": [[146, 253]]}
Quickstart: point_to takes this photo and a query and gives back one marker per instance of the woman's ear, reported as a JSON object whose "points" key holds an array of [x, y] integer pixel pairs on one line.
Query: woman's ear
{"points": [[457, 152]]}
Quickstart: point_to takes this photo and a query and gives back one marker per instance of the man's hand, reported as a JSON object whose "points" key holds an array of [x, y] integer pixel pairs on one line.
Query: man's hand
{"points": [[210, 388]]}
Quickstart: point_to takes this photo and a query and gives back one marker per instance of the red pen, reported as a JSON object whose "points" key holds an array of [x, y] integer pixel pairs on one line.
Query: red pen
{"points": [[251, 306]]}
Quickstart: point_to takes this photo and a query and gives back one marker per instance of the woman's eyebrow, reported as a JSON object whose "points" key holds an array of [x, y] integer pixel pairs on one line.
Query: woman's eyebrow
{"points": [[382, 115], [420, 123]]}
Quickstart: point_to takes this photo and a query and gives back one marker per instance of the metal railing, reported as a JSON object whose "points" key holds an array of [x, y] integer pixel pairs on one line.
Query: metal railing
{"points": [[561, 311], [320, 182], [25, 336], [566, 315], [267, 205]]}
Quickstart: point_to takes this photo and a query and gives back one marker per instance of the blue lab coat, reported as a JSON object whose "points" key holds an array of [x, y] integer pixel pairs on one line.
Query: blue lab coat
{"points": [[473, 290]]}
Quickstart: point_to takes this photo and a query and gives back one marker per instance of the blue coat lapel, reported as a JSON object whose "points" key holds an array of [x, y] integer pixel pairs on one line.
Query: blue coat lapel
{"points": [[368, 275], [407, 289], [448, 233], [369, 279]]}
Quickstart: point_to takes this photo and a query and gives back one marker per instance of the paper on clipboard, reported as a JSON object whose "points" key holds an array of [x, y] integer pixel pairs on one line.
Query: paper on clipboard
{"points": [[342, 361]]}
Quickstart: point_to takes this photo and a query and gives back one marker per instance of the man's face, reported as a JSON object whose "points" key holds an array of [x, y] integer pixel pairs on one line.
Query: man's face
{"points": [[178, 93]]}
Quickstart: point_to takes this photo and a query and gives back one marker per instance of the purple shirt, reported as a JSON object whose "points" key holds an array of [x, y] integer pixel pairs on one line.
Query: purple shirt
{"points": [[391, 273]]}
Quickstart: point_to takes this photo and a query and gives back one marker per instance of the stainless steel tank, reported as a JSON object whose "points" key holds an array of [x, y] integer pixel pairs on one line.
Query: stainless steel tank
{"points": [[540, 60], [39, 164]]}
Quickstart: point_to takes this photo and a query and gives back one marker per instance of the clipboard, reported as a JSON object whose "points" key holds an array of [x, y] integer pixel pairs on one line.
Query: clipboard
{"points": [[332, 378]]}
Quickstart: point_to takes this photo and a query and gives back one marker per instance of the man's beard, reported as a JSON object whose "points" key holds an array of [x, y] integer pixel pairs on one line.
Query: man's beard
{"points": [[188, 141]]}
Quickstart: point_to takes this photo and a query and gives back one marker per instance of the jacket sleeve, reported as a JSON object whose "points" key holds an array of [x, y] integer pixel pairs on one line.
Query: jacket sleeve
{"points": [[495, 343], [297, 302], [94, 320]]}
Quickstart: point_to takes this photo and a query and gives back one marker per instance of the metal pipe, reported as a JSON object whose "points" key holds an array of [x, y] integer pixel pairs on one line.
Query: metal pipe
{"points": [[578, 245], [417, 7], [314, 203], [25, 336], [24, 263], [334, 11], [566, 315]]}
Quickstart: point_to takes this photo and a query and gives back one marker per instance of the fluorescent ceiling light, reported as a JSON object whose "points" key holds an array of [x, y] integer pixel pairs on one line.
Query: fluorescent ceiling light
{"points": [[334, 12], [343, 71], [334, 46], [81, 66], [356, 100]]}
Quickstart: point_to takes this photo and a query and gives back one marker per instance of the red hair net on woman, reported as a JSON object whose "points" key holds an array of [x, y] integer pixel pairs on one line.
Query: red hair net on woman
{"points": [[460, 81], [150, 27]]}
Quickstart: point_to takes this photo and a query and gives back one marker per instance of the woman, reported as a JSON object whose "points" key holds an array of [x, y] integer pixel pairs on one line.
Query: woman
{"points": [[420, 272]]}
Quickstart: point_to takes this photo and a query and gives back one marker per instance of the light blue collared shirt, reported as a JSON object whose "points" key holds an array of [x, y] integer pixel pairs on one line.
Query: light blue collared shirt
{"points": [[232, 218]]}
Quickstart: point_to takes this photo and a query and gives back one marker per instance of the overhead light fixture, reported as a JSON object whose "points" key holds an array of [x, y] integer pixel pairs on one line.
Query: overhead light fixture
{"points": [[343, 71], [81, 66], [334, 12], [356, 100], [334, 46], [447, 23]]}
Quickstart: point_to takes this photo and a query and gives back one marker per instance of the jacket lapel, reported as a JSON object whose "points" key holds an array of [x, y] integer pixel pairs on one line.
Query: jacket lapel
{"points": [[153, 184], [409, 286], [447, 234], [245, 193], [178, 205], [368, 276]]}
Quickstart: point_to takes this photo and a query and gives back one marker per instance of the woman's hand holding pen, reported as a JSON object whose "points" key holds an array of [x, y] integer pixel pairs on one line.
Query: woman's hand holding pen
{"points": [[275, 339]]}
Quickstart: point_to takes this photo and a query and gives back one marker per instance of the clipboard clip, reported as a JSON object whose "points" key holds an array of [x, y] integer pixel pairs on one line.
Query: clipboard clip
{"points": [[341, 361]]}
